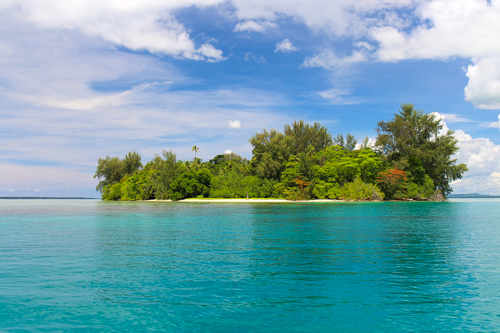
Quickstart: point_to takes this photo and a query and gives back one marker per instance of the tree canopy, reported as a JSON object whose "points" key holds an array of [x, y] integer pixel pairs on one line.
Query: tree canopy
{"points": [[412, 160], [413, 136]]}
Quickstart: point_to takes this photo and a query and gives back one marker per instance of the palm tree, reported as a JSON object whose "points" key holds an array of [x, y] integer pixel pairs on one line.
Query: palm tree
{"points": [[195, 149]]}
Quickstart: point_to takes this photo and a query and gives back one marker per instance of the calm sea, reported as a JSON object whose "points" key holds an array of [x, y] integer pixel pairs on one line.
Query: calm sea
{"points": [[92, 266]]}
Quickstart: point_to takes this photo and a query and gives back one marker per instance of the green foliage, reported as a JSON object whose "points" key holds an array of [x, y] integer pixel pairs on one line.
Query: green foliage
{"points": [[191, 184], [111, 169], [304, 135], [325, 190], [167, 169], [411, 160], [349, 144], [226, 162], [338, 165], [112, 192], [272, 148], [297, 179], [415, 170], [132, 163], [136, 187], [195, 149], [234, 184], [357, 190], [392, 181], [415, 133], [415, 191]]}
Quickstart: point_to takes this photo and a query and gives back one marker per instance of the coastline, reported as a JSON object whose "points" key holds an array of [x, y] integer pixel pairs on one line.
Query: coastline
{"points": [[247, 200], [241, 200]]}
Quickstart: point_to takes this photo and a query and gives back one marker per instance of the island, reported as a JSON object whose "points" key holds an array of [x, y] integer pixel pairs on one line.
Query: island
{"points": [[411, 159]]}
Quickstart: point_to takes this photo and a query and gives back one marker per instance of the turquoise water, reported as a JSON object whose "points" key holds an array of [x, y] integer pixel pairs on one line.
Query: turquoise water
{"points": [[84, 265]]}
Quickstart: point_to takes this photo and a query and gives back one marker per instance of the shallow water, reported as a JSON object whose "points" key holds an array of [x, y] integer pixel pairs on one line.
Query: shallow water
{"points": [[85, 265]]}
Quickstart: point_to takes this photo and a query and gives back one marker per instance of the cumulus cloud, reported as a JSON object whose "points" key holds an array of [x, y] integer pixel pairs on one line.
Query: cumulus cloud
{"points": [[136, 25], [254, 26], [228, 152], [448, 28], [286, 46], [482, 157], [329, 60], [234, 124], [483, 89], [334, 17]]}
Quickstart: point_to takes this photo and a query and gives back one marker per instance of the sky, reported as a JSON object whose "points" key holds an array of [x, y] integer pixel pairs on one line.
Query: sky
{"points": [[80, 80]]}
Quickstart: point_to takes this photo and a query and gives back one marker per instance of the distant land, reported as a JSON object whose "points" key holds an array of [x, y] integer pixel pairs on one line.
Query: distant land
{"points": [[472, 195], [47, 198]]}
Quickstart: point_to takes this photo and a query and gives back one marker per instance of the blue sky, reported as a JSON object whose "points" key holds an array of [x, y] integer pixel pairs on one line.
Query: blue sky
{"points": [[84, 79]]}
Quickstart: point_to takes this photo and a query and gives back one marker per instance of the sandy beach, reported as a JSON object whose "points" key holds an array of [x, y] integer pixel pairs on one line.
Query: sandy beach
{"points": [[249, 200]]}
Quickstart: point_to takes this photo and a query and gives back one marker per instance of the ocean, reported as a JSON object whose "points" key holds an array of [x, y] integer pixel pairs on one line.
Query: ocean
{"points": [[94, 266]]}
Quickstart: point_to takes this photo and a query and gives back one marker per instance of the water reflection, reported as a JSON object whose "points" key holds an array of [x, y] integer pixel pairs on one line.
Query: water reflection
{"points": [[385, 267]]}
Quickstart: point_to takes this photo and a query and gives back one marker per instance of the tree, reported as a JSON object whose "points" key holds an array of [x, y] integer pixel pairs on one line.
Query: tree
{"points": [[349, 144], [132, 163], [191, 184], [413, 133], [304, 135], [110, 170], [272, 148], [195, 149], [167, 169], [390, 181]]}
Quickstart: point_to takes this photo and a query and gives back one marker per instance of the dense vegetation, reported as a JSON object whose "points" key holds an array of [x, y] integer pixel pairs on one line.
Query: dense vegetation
{"points": [[411, 159]]}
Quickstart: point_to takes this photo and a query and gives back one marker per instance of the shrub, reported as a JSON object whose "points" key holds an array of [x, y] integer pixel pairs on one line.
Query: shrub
{"points": [[357, 190], [191, 184]]}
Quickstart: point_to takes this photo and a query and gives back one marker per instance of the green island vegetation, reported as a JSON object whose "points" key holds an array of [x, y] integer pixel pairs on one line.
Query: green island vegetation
{"points": [[410, 160]]}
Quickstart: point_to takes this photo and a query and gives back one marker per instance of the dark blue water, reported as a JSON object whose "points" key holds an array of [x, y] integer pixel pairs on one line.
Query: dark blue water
{"points": [[71, 265]]}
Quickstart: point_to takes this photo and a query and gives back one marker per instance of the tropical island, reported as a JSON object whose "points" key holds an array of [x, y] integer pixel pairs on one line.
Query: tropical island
{"points": [[411, 159]]}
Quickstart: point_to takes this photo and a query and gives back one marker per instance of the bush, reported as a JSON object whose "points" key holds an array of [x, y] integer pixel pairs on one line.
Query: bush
{"points": [[234, 184], [357, 190], [191, 185], [326, 190], [112, 192], [131, 188]]}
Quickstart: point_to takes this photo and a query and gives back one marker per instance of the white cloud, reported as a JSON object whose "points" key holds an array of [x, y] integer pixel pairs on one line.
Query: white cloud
{"points": [[228, 152], [78, 100], [452, 118], [361, 45], [482, 157], [286, 46], [234, 124], [335, 17], [254, 26], [250, 57], [448, 28], [483, 89], [329, 60], [339, 97], [134, 24], [371, 143]]}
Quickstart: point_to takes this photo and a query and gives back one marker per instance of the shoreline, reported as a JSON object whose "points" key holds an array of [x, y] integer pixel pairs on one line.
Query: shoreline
{"points": [[239, 200]]}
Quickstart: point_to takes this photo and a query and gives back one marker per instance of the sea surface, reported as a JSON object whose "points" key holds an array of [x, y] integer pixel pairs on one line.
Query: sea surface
{"points": [[93, 266]]}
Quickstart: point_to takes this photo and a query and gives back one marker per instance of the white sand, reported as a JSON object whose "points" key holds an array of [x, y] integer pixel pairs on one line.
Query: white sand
{"points": [[248, 200]]}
